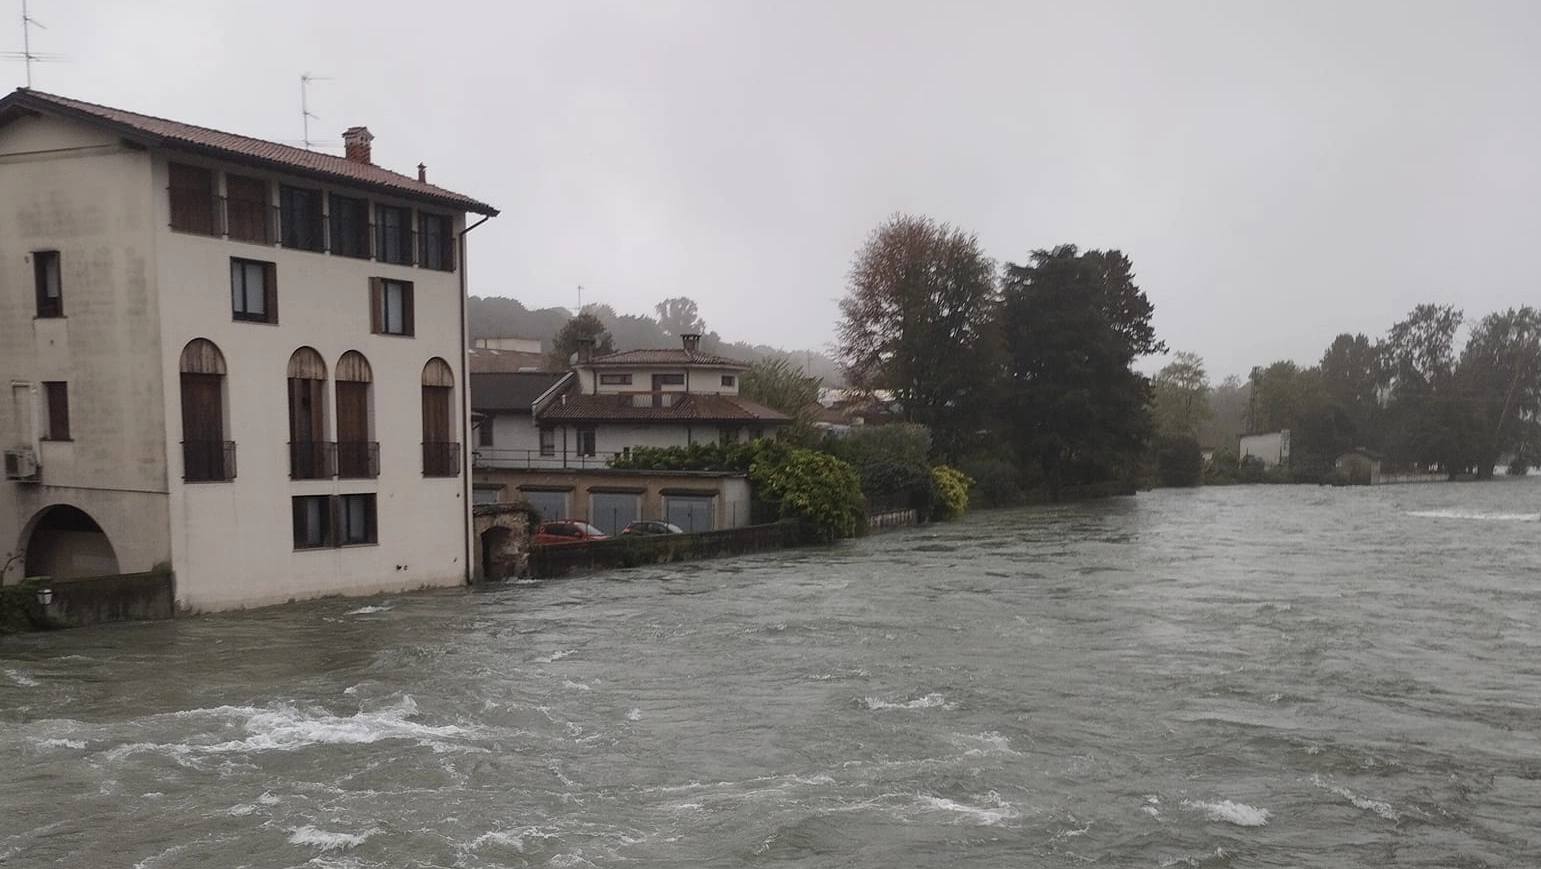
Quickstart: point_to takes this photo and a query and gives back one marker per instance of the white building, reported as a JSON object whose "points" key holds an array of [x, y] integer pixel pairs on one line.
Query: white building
{"points": [[237, 358], [1271, 448], [547, 437]]}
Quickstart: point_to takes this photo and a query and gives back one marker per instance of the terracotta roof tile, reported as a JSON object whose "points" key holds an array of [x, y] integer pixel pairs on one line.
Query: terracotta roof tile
{"points": [[694, 407], [676, 356], [159, 132]]}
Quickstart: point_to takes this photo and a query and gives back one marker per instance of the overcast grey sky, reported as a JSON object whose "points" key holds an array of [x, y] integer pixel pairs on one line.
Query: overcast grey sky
{"points": [[1278, 171]]}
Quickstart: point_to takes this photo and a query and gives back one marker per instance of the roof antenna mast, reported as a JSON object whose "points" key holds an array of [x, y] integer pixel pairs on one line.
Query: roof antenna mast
{"points": [[27, 23], [305, 80]]}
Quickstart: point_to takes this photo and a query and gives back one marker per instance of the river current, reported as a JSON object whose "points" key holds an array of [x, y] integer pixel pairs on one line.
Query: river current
{"points": [[1260, 676]]}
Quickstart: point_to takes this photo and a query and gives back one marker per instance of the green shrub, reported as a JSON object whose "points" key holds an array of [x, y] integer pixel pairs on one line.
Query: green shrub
{"points": [[1179, 461], [820, 491], [951, 487]]}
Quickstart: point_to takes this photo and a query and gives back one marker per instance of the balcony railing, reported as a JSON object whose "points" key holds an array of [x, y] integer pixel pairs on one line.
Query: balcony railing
{"points": [[312, 460], [208, 461], [489, 458], [196, 211], [358, 460], [250, 220], [441, 459]]}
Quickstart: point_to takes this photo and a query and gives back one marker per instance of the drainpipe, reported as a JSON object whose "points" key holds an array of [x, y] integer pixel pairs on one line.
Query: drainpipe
{"points": [[465, 403]]}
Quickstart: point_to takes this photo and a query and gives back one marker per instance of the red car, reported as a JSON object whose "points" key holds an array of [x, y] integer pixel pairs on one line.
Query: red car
{"points": [[567, 531]]}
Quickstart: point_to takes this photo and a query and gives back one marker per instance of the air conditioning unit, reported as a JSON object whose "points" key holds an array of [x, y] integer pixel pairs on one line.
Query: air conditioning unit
{"points": [[20, 465]]}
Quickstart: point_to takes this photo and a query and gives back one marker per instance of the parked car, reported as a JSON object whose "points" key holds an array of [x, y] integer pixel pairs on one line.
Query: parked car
{"points": [[650, 526], [567, 531]]}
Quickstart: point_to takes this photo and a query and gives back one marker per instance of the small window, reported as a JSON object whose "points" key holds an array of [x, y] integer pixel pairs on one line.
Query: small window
{"points": [[50, 295], [729, 380], [390, 307], [586, 441], [437, 242], [484, 433], [56, 394], [253, 291], [615, 379], [312, 521], [393, 225], [350, 226], [356, 520], [547, 441], [300, 216], [669, 379], [727, 435]]}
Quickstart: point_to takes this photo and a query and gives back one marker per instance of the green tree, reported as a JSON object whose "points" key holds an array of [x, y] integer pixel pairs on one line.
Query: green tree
{"points": [[1422, 420], [1228, 403], [680, 316], [1498, 388], [891, 461], [1074, 324], [1181, 396], [818, 490], [1352, 376], [918, 319], [779, 385], [584, 327]]}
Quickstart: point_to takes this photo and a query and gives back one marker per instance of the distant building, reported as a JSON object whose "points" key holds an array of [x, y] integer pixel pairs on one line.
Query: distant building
{"points": [[1272, 448], [1359, 467], [237, 358], [506, 354]]}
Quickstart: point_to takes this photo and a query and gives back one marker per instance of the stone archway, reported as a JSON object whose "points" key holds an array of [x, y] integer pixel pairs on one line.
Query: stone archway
{"points": [[65, 542], [503, 540], [497, 560]]}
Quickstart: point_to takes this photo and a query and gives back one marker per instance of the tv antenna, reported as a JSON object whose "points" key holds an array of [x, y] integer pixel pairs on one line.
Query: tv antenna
{"points": [[305, 80], [27, 55]]}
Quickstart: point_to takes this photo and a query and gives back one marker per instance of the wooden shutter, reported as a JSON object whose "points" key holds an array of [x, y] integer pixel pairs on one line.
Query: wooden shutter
{"points": [[376, 305], [352, 412], [436, 408], [270, 288], [408, 327], [58, 410], [202, 415]]}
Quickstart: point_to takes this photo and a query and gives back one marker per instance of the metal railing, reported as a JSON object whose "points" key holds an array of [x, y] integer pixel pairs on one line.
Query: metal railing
{"points": [[249, 220], [208, 461], [491, 458], [441, 459], [358, 460], [312, 460], [197, 211]]}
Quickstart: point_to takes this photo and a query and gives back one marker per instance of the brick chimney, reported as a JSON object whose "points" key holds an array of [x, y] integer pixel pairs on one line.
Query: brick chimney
{"points": [[692, 342], [355, 143]]}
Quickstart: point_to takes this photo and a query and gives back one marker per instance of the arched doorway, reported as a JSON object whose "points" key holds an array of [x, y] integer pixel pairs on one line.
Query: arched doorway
{"points": [[498, 562], [66, 542]]}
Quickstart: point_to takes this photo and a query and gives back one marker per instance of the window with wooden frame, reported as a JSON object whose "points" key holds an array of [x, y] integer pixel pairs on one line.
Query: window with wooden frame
{"points": [[358, 455], [350, 226], [312, 521], [300, 223], [193, 200], [253, 291], [441, 452], [309, 453], [50, 291], [547, 440], [56, 401], [727, 434], [356, 520], [484, 432], [393, 228], [390, 307], [586, 440], [729, 380], [206, 455], [436, 240], [248, 213]]}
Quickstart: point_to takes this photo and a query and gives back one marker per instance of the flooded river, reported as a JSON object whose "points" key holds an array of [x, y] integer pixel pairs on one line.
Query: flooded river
{"points": [[1286, 676]]}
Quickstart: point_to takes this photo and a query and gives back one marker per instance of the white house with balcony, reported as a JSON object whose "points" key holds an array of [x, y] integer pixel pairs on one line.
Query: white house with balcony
{"points": [[547, 437], [237, 358]]}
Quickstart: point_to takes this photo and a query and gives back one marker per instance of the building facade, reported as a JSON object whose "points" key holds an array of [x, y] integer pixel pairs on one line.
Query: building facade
{"points": [[233, 357]]}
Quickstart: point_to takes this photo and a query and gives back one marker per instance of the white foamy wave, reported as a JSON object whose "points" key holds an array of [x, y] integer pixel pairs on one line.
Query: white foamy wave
{"points": [[1379, 807], [988, 742], [1476, 516], [368, 610], [992, 811], [574, 686], [21, 678], [1240, 814], [930, 701], [285, 727], [634, 715], [326, 840], [555, 656], [61, 743], [518, 839]]}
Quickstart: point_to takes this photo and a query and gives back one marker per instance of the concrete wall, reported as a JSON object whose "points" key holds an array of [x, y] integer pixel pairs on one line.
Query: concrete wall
{"points": [[73, 189], [730, 505], [516, 441], [1273, 448]]}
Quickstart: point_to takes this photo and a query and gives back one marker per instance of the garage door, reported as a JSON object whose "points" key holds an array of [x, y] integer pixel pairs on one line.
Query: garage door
{"points": [[550, 505], [690, 512], [610, 511]]}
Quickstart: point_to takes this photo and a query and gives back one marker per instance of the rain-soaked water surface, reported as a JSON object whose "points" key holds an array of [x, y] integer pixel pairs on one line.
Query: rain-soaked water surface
{"points": [[1228, 677]]}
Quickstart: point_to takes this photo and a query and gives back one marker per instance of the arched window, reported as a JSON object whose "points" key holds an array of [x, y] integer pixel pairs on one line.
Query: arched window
{"points": [[309, 453], [358, 455], [441, 453], [206, 455]]}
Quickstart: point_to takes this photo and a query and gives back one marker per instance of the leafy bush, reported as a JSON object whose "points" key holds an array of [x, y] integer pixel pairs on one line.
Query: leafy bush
{"points": [[1179, 461], [951, 487], [995, 481], [891, 461], [820, 491]]}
